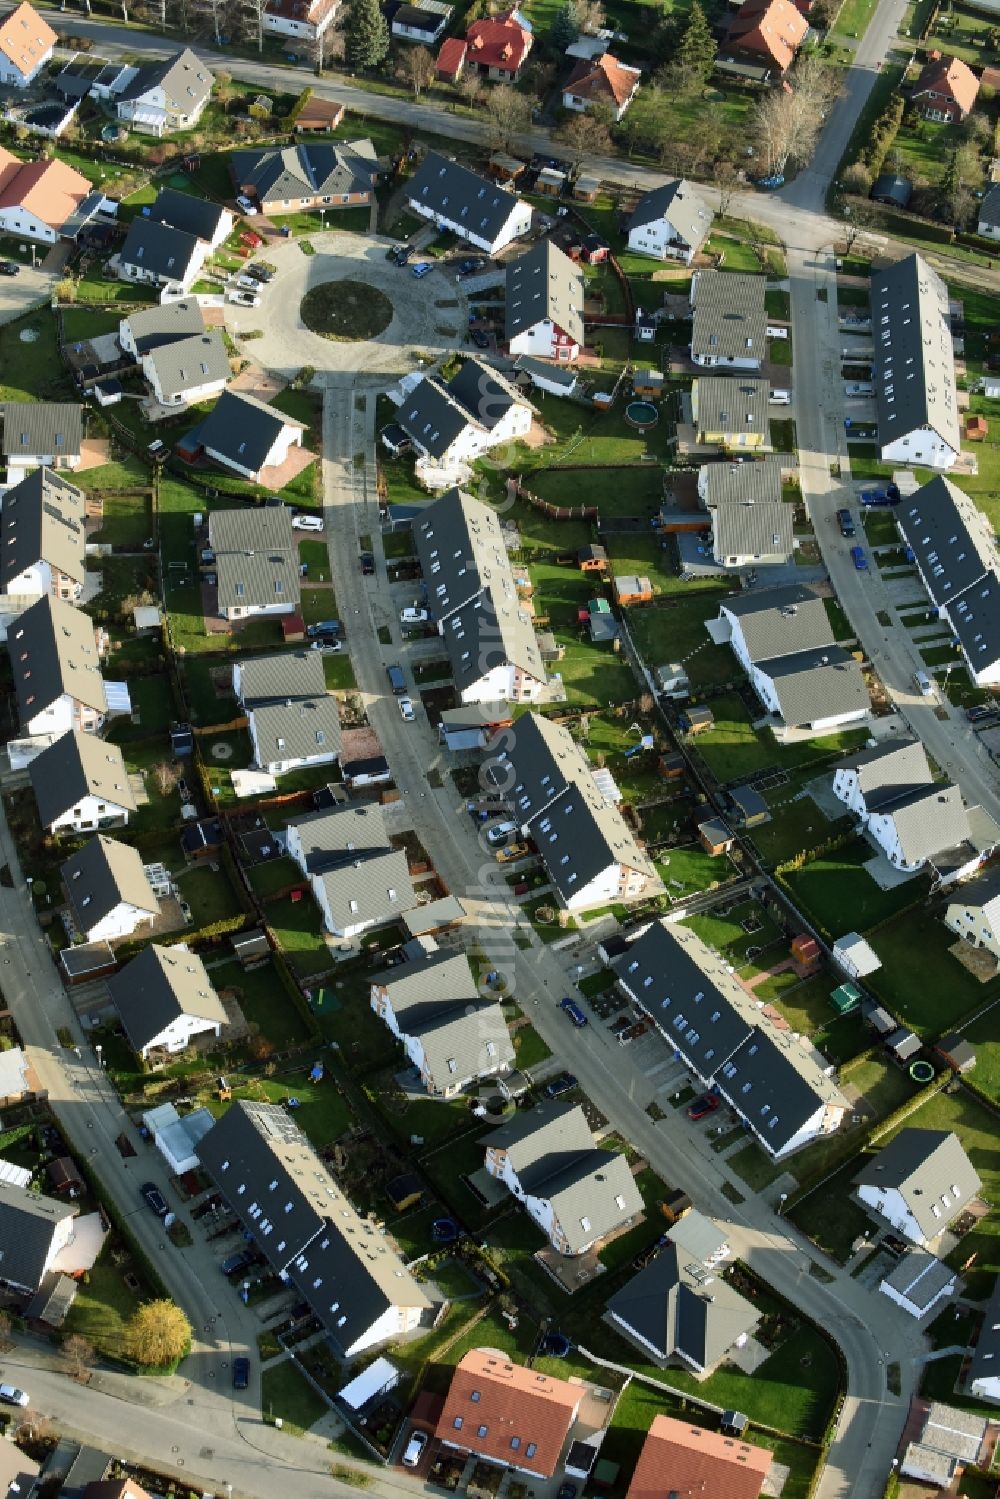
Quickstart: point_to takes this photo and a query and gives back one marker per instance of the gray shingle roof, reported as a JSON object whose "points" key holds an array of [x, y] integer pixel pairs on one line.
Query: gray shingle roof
{"points": [[975, 619], [102, 875], [679, 203], [190, 363], [985, 1361], [159, 985], [549, 784], [52, 651], [462, 1033], [914, 365], [38, 428], [543, 284], [305, 729], [920, 1277], [289, 674], [314, 169], [42, 521], [341, 1263], [738, 483], [816, 684], [730, 403], [154, 326], [28, 1223], [989, 208], [454, 192], [256, 559], [730, 319], [363, 877], [164, 252], [472, 594], [681, 1308], [889, 770], [185, 211], [780, 621], [951, 539], [244, 429], [749, 517], [928, 821], [981, 892], [184, 78], [923, 1165], [74, 766], [433, 414]]}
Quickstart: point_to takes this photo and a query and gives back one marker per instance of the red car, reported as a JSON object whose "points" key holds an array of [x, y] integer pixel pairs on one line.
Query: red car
{"points": [[703, 1106], [251, 239]]}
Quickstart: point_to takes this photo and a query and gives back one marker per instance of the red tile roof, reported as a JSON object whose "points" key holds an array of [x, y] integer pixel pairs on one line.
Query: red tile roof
{"points": [[774, 28], [951, 77], [499, 42], [25, 38], [603, 78], [508, 1413], [691, 1463], [451, 56], [50, 190]]}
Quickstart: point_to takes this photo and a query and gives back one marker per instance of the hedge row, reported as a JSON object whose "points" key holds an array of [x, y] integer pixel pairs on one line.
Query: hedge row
{"points": [[884, 132]]}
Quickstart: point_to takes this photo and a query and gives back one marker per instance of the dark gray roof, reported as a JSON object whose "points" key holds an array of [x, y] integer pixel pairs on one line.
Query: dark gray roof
{"points": [[463, 1034], [984, 1364], [314, 169], [914, 365], [84, 72], [159, 985], [730, 319], [434, 414], [244, 430], [418, 19], [818, 683], [52, 651], [920, 1277], [28, 1223], [467, 568], [305, 729], [543, 285], [889, 770], [989, 208], [164, 252], [341, 1263], [975, 619], [779, 622], [681, 1308], [102, 875], [184, 78], [554, 1157], [980, 892], [185, 211], [39, 428], [549, 784], [256, 559], [364, 879], [277, 678], [74, 766], [152, 327], [924, 1165], [731, 403], [190, 363], [685, 209], [951, 540], [928, 820], [890, 188], [42, 521], [455, 192]]}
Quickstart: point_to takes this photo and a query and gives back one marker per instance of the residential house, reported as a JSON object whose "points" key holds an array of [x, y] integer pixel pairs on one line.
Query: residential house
{"points": [[590, 854], [989, 213], [783, 640], [983, 1374], [679, 1309], [577, 1193], [188, 371], [42, 531], [730, 413], [974, 912], [453, 1036], [294, 733], [919, 1183], [947, 1440], [544, 306], [751, 524], [946, 89], [108, 891], [918, 1281], [81, 784], [423, 22], [486, 628], [154, 254], [765, 35], [245, 435], [283, 677], [177, 1136], [670, 223], [43, 200], [207, 221], [164, 998], [42, 434], [454, 197], [56, 669], [781, 1088], [358, 879], [89, 76], [152, 327], [302, 20], [956, 555], [602, 83], [450, 425], [313, 1237], [256, 558], [914, 366], [495, 47], [166, 95], [316, 174], [507, 1414], [680, 1459], [729, 326], [34, 1230], [26, 45]]}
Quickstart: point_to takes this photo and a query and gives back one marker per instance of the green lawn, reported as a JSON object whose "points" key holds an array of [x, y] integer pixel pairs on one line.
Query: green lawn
{"points": [[210, 895], [691, 868], [592, 674], [673, 629], [323, 1113], [285, 1393], [726, 934], [755, 1167], [919, 979], [264, 1002], [30, 366], [529, 1047], [732, 749], [853, 18], [840, 896], [152, 701], [830, 1217], [297, 926], [104, 1304], [274, 875], [127, 521], [615, 491]]}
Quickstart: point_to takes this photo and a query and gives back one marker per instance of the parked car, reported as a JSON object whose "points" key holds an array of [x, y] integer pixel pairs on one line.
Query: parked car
{"points": [[845, 521], [248, 283], [307, 523], [241, 1373], [11, 1395], [367, 560], [260, 272], [559, 1085], [480, 339], [703, 1106], [501, 831], [154, 1199], [402, 255], [979, 712], [9, 268], [423, 269], [859, 559], [573, 1010], [513, 851], [244, 203], [414, 616], [326, 645], [323, 627], [237, 1263], [406, 712], [242, 298], [471, 264], [414, 1449]]}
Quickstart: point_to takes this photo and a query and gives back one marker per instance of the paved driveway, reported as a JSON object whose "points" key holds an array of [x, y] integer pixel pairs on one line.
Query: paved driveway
{"points": [[18, 294]]}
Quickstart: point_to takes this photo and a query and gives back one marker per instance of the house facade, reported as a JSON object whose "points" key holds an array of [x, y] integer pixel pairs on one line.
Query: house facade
{"points": [[303, 20], [946, 89], [314, 175], [42, 526], [974, 912], [507, 1414], [34, 1230], [357, 878], [41, 200], [729, 325], [166, 96], [477, 210], [495, 48], [57, 670], [81, 784], [914, 366], [164, 998], [245, 435], [108, 890], [26, 45], [154, 254], [919, 1183], [544, 305], [256, 560], [188, 372], [601, 82], [670, 223]]}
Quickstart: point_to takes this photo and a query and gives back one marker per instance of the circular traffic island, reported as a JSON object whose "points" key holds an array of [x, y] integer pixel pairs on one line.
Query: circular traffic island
{"points": [[346, 311]]}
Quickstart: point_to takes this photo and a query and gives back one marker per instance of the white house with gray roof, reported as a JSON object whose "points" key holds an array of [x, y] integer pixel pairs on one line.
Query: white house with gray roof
{"points": [[473, 599], [590, 854], [40, 434], [914, 366], [34, 1230], [278, 677], [729, 325], [577, 1193], [453, 1036], [974, 912], [670, 222], [81, 784], [164, 998], [919, 1183], [150, 327], [781, 1088], [983, 1374], [167, 95], [295, 733], [108, 890], [154, 254], [189, 371], [56, 669], [357, 878], [543, 315], [43, 531], [989, 213], [450, 425], [244, 435], [454, 197], [751, 524], [680, 1309], [256, 561]]}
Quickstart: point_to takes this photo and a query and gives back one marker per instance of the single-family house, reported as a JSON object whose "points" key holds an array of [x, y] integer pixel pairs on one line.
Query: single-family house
{"points": [[43, 200], [974, 912], [751, 524], [454, 197], [187, 371], [983, 1374], [450, 425], [154, 254], [34, 1230], [301, 20], [601, 83], [164, 998], [56, 669], [913, 370], [730, 413], [26, 45], [42, 434], [577, 1193], [166, 95], [543, 315], [293, 733], [590, 854], [453, 1035], [507, 1414], [918, 1281], [357, 878], [495, 47], [423, 21], [151, 327], [946, 89], [670, 223], [486, 628], [177, 1136], [81, 784], [311, 1234], [88, 75], [679, 1309], [947, 1439], [989, 213], [107, 889], [729, 326], [256, 560], [776, 1082], [766, 35], [42, 536], [688, 1460], [245, 435], [919, 1183], [207, 221], [315, 174], [286, 676]]}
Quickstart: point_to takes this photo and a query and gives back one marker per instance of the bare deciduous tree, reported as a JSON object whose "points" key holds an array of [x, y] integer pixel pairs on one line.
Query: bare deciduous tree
{"points": [[418, 69], [470, 87], [79, 1352], [166, 777], [508, 113], [727, 180], [786, 123], [582, 136]]}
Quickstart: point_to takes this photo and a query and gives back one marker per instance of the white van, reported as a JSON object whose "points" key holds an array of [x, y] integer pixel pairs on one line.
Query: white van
{"points": [[924, 684]]}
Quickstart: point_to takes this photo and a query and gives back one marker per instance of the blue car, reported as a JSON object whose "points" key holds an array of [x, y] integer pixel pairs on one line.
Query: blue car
{"points": [[424, 269], [774, 179], [573, 1011]]}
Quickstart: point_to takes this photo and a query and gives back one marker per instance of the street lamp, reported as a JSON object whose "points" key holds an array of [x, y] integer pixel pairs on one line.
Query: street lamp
{"points": [[99, 1049]]}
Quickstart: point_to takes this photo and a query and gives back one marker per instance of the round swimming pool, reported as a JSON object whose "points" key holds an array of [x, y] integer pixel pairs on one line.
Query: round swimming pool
{"points": [[642, 415]]}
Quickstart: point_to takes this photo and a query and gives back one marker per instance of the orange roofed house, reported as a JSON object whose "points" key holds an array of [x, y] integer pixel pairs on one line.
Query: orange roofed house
{"points": [[946, 89], [767, 34], [688, 1462], [496, 47], [26, 43], [508, 1414], [601, 80], [40, 199]]}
